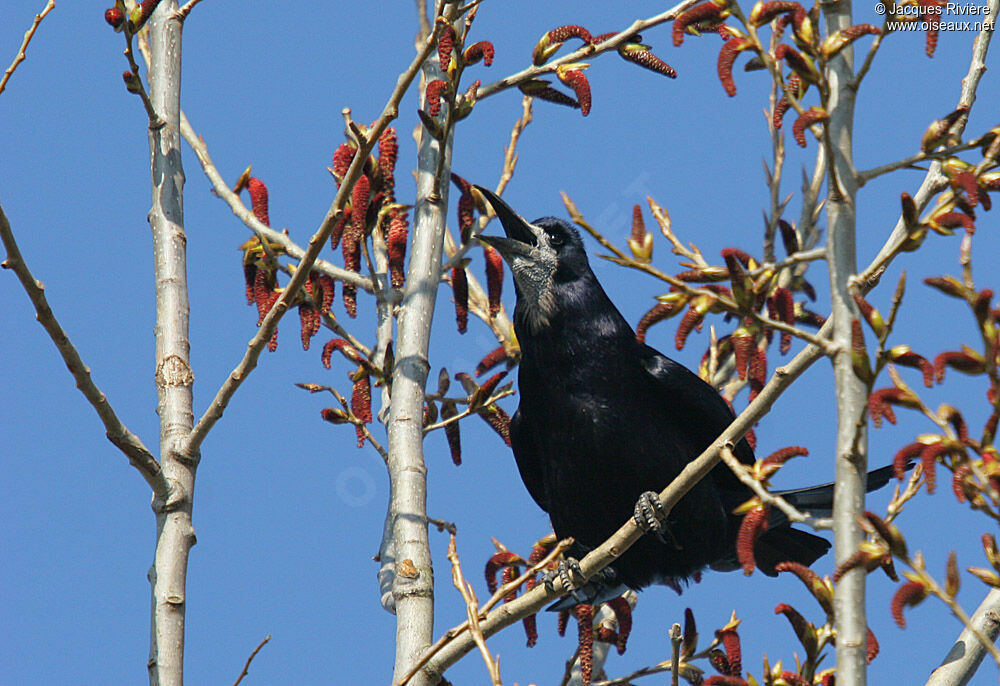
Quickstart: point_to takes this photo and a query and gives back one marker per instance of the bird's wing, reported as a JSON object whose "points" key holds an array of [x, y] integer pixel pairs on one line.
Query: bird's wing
{"points": [[698, 407], [526, 456]]}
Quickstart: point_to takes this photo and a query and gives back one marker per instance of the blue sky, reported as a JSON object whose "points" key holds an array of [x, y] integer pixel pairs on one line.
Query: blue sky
{"points": [[288, 512]]}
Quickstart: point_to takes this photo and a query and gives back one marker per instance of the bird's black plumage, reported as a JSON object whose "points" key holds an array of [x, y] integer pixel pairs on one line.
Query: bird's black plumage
{"points": [[604, 418]]}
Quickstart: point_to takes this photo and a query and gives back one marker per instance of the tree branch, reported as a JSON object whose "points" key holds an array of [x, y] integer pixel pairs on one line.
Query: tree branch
{"points": [[174, 377], [130, 444], [28, 35], [968, 651], [262, 230], [585, 52]]}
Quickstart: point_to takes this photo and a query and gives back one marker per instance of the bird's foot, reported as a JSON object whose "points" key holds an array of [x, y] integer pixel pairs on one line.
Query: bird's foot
{"points": [[564, 572], [649, 515]]}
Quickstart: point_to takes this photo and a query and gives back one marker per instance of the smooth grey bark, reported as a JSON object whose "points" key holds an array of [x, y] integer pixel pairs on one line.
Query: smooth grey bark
{"points": [[174, 379], [851, 392], [968, 652], [409, 549]]}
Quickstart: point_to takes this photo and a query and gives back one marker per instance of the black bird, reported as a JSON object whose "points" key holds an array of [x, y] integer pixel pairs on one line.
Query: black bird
{"points": [[604, 419]]}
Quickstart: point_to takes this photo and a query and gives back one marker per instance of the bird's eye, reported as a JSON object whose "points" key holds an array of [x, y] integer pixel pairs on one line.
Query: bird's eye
{"points": [[555, 240]]}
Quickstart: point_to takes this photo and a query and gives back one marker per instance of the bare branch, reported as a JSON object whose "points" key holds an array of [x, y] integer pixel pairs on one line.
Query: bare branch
{"points": [[246, 667], [472, 612], [182, 14], [130, 444], [28, 35]]}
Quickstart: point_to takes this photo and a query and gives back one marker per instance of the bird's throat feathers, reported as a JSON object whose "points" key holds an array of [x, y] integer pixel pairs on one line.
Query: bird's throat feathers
{"points": [[565, 312]]}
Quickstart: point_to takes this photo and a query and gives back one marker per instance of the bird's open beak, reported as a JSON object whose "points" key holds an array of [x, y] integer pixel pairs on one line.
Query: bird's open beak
{"points": [[520, 238]]}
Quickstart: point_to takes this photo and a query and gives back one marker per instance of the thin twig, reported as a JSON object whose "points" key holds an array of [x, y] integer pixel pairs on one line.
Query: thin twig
{"points": [[587, 51], [472, 611], [28, 35], [864, 177], [246, 667], [182, 14], [499, 595], [794, 514], [676, 638], [126, 441], [467, 411]]}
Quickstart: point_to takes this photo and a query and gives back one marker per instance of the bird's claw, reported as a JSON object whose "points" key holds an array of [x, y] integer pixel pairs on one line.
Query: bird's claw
{"points": [[650, 516], [649, 513], [564, 572]]}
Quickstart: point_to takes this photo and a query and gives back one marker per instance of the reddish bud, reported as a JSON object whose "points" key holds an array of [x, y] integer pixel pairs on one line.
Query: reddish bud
{"points": [[342, 159], [360, 196], [466, 216], [871, 649], [805, 632], [262, 288], [805, 120], [841, 39], [727, 56], [483, 50], [753, 525], [564, 33], [784, 305], [396, 245], [309, 323], [115, 17], [338, 229], [880, 402], [928, 459], [705, 13], [657, 314], [498, 420], [539, 88], [643, 56], [492, 359], [345, 348], [765, 12], [446, 43], [903, 457], [960, 361], [577, 80], [494, 278], [502, 560], [433, 96], [452, 433], [623, 615], [388, 152], [258, 199], [585, 628], [692, 318], [948, 285], [908, 595], [141, 14], [460, 291], [945, 222], [932, 26]]}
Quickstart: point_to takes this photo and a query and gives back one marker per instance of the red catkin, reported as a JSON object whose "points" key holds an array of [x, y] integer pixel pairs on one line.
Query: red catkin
{"points": [[460, 291], [494, 278], [753, 525]]}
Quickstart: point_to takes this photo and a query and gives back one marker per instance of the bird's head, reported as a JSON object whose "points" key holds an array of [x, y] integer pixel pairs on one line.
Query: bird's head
{"points": [[545, 257]]}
